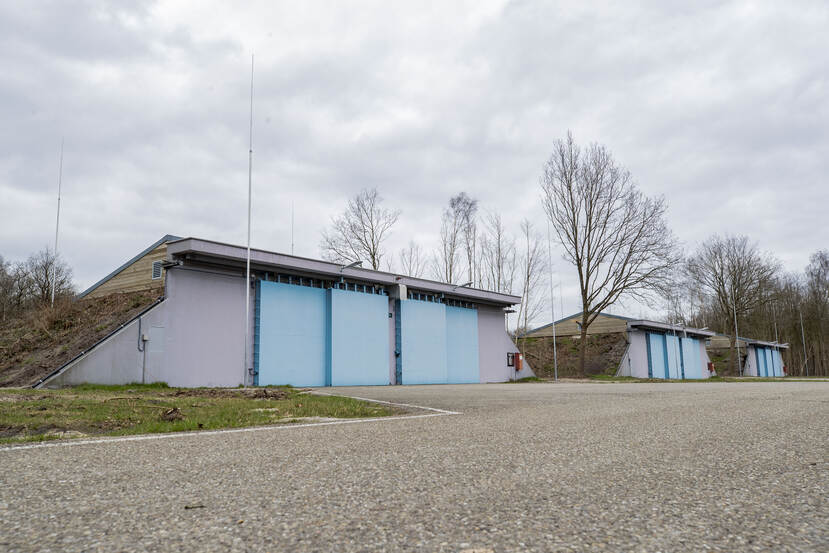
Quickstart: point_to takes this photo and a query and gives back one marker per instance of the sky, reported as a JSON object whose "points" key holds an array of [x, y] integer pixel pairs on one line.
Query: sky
{"points": [[722, 107]]}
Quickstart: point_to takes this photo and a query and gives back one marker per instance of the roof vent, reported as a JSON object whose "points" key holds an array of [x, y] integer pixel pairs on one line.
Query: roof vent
{"points": [[156, 270]]}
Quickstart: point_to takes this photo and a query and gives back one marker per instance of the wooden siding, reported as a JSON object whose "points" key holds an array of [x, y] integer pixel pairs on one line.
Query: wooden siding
{"points": [[569, 327], [137, 276]]}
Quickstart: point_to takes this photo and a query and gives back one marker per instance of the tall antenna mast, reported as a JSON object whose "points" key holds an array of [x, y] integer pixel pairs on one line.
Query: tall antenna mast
{"points": [[247, 261], [552, 302], [57, 226], [292, 227]]}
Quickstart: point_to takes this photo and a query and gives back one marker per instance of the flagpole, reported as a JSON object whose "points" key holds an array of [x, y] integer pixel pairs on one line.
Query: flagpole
{"points": [[57, 226], [247, 260]]}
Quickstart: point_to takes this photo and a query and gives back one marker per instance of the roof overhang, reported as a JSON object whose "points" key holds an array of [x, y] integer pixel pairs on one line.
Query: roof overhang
{"points": [[197, 250], [763, 343], [668, 327]]}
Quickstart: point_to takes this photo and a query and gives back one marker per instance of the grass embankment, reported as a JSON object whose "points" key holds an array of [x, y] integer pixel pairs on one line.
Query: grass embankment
{"points": [[36, 415]]}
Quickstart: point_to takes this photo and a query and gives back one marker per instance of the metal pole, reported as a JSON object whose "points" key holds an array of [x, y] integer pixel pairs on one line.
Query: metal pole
{"points": [[736, 332], [57, 226], [292, 227], [552, 302], [803, 339], [247, 261]]}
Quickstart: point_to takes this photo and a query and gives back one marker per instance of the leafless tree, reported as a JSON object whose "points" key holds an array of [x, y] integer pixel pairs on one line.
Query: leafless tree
{"points": [[41, 268], [412, 261], [498, 257], [446, 262], [466, 210], [616, 237], [358, 233], [532, 267], [736, 275]]}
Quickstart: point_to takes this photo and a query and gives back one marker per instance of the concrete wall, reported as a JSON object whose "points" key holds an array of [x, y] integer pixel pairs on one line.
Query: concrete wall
{"points": [[635, 361], [118, 360], [206, 328], [493, 345]]}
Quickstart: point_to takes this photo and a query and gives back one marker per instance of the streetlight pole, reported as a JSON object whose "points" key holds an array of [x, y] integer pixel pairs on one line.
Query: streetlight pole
{"points": [[736, 332], [803, 340], [552, 302]]}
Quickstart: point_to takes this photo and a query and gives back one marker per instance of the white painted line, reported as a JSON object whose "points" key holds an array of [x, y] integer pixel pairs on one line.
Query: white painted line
{"points": [[285, 426], [435, 409]]}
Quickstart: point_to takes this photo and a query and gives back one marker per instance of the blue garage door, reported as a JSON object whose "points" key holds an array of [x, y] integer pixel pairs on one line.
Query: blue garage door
{"points": [[359, 338], [290, 335], [423, 347], [760, 356], [657, 358], [691, 358], [674, 357], [778, 363], [462, 345]]}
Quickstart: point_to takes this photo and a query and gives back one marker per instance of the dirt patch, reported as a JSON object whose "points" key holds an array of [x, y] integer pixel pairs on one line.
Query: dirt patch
{"points": [[41, 340], [173, 414], [241, 393], [604, 353]]}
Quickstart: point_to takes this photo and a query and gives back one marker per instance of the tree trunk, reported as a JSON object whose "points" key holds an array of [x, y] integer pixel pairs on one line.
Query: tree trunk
{"points": [[583, 348]]}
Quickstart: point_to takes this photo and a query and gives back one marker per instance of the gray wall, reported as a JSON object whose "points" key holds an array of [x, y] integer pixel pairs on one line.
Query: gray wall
{"points": [[493, 345], [118, 359], [205, 334]]}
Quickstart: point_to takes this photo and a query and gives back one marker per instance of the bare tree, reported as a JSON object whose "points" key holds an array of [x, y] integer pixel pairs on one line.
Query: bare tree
{"points": [[40, 269], [412, 261], [532, 267], [736, 275], [446, 262], [358, 233], [498, 258], [616, 237], [466, 210]]}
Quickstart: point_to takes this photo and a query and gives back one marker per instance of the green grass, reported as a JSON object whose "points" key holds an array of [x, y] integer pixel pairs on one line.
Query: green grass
{"points": [[527, 379], [91, 410]]}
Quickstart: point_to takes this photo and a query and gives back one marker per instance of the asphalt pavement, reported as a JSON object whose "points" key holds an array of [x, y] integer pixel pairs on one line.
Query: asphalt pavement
{"points": [[523, 467]]}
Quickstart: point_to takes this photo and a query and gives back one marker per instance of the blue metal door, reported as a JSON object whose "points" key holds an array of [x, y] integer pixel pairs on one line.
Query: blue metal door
{"points": [[691, 358], [462, 345], [423, 342], [290, 335], [359, 334], [657, 356]]}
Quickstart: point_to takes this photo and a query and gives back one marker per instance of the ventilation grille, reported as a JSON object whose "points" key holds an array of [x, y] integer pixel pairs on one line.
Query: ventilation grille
{"points": [[156, 270]]}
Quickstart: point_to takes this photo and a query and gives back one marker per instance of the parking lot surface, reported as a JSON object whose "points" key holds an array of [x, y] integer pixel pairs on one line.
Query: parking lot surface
{"points": [[523, 467]]}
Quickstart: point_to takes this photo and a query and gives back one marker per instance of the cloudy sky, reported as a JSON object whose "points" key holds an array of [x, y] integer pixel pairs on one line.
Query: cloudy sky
{"points": [[720, 106]]}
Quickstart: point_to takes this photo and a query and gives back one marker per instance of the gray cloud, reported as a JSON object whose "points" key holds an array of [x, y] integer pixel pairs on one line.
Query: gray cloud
{"points": [[719, 106]]}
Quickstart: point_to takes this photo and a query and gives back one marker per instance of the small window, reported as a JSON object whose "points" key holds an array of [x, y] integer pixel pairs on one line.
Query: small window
{"points": [[156, 270], [510, 359]]}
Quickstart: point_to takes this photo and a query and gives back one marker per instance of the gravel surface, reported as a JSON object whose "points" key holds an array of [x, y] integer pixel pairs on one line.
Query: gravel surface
{"points": [[525, 467]]}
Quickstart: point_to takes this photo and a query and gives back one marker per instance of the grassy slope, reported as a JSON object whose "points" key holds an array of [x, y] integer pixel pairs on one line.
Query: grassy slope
{"points": [[34, 415], [39, 341]]}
